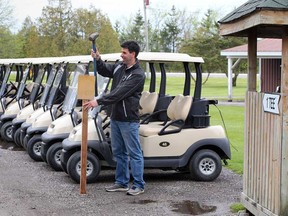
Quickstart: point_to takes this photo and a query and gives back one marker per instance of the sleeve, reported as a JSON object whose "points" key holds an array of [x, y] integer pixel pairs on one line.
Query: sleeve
{"points": [[105, 69]]}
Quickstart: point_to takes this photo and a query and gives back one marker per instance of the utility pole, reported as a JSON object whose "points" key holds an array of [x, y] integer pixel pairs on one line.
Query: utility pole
{"points": [[146, 3]]}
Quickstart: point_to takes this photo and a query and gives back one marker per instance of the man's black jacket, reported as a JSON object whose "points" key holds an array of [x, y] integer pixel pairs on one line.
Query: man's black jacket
{"points": [[127, 86]]}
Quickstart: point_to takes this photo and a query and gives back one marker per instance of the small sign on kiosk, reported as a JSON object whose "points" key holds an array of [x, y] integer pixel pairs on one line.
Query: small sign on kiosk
{"points": [[86, 92], [270, 103]]}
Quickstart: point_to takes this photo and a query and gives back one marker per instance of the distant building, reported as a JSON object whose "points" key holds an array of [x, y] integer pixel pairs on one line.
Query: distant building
{"points": [[269, 56]]}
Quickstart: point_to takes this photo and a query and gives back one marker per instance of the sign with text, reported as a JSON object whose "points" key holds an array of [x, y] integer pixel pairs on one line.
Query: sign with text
{"points": [[270, 103]]}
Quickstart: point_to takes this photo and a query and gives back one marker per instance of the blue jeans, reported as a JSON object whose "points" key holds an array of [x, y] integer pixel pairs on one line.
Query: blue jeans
{"points": [[126, 147]]}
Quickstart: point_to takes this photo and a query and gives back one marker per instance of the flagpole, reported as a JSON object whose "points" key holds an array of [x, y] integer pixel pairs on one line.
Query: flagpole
{"points": [[146, 2]]}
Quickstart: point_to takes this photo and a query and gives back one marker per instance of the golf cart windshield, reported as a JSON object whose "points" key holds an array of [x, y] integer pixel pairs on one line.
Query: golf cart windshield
{"points": [[48, 85], [2, 72], [71, 95], [102, 84], [70, 100], [53, 93], [6, 78], [37, 84], [23, 83]]}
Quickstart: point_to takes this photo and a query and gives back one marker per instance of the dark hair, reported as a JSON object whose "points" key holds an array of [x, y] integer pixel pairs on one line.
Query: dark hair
{"points": [[132, 46]]}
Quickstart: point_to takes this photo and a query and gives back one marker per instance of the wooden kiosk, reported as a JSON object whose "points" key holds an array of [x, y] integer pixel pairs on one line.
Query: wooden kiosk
{"points": [[265, 177]]}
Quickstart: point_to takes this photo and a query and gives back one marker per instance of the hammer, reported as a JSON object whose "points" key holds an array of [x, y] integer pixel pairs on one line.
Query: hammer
{"points": [[92, 38]]}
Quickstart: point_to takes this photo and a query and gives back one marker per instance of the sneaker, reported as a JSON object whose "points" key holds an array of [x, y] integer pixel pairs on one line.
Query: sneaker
{"points": [[135, 191], [116, 188]]}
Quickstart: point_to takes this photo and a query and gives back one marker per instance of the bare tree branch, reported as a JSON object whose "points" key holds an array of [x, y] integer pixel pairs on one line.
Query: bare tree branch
{"points": [[6, 11]]}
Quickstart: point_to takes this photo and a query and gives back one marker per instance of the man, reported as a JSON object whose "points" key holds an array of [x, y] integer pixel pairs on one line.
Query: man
{"points": [[127, 86]]}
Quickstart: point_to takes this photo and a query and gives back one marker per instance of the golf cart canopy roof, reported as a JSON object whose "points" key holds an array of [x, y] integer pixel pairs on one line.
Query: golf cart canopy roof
{"points": [[156, 57], [111, 57], [65, 59], [168, 57]]}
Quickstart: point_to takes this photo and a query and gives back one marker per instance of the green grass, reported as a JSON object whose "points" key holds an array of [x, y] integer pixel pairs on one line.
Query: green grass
{"points": [[236, 207], [218, 87], [233, 116], [233, 121], [214, 88]]}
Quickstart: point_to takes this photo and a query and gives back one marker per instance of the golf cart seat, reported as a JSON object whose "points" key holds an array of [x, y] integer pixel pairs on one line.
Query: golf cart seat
{"points": [[7, 100], [177, 112], [28, 88], [12, 88], [148, 102]]}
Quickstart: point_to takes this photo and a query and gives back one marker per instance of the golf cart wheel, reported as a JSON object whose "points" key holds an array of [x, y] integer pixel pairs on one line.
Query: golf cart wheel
{"points": [[205, 165], [64, 168], [16, 137], [6, 131], [92, 170], [34, 147], [25, 141], [53, 156], [22, 137]]}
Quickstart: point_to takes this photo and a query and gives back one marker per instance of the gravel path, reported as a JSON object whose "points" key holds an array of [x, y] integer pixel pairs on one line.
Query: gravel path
{"points": [[30, 188]]}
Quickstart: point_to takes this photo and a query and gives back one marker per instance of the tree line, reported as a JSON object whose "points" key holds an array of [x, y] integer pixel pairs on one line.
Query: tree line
{"points": [[61, 31]]}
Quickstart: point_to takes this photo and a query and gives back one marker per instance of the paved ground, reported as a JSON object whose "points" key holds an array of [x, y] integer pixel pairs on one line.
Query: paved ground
{"points": [[31, 188]]}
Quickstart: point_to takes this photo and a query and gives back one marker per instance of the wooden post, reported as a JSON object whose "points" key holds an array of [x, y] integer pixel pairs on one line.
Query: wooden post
{"points": [[252, 60], [84, 149], [284, 106], [86, 91]]}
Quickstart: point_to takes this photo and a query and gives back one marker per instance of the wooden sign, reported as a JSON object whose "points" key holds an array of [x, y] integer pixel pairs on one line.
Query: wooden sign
{"points": [[86, 87], [270, 103], [86, 91]]}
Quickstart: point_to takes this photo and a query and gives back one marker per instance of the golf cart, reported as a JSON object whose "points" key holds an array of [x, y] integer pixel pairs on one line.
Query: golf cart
{"points": [[8, 88], [51, 99], [60, 128], [25, 95], [38, 90], [52, 110], [27, 116], [59, 87], [176, 138]]}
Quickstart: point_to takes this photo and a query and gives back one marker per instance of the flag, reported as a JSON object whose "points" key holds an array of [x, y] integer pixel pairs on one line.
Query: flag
{"points": [[146, 2]]}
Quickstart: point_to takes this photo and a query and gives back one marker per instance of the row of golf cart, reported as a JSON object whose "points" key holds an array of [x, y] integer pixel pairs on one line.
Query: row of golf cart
{"points": [[41, 113]]}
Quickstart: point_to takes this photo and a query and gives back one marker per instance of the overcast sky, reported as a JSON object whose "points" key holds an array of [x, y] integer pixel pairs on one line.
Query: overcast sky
{"points": [[121, 9]]}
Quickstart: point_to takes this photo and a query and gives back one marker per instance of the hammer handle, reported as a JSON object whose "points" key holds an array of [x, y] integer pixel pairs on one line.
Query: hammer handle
{"points": [[95, 69]]}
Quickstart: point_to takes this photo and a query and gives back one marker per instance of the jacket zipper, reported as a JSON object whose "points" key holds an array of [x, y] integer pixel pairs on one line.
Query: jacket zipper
{"points": [[123, 103], [125, 113]]}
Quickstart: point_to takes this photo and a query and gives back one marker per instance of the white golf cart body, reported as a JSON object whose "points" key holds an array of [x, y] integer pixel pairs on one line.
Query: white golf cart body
{"points": [[61, 125], [185, 142]]}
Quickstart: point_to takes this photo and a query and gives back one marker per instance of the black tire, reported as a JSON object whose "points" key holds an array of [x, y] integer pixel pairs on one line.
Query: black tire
{"points": [[6, 131], [205, 165], [64, 168], [25, 141], [34, 147], [22, 139], [74, 167], [43, 153], [16, 137], [53, 156]]}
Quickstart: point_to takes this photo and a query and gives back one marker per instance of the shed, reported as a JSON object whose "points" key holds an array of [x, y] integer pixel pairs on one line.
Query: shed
{"points": [[269, 52], [265, 177]]}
